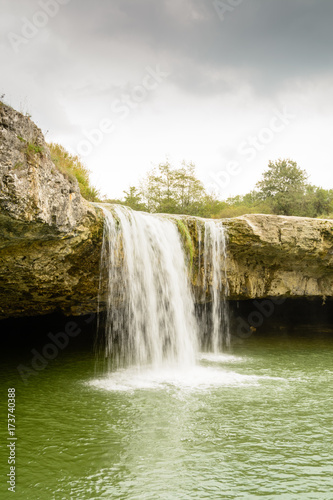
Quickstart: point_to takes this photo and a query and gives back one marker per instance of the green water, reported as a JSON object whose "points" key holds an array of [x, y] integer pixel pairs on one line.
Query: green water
{"points": [[255, 423]]}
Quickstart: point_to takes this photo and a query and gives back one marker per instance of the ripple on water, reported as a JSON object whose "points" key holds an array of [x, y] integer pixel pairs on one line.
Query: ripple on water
{"points": [[221, 358]]}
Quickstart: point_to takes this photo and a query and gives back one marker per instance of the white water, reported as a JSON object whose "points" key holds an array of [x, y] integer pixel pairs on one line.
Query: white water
{"points": [[151, 317], [214, 283], [193, 378]]}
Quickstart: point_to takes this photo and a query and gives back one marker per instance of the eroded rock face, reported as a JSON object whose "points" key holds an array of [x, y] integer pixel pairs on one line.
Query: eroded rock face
{"points": [[32, 188], [271, 255], [50, 239], [50, 236]]}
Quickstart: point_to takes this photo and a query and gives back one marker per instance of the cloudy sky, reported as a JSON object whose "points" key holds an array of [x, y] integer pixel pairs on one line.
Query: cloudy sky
{"points": [[228, 85]]}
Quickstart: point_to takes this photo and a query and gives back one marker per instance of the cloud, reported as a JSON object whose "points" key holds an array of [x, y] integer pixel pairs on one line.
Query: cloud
{"points": [[225, 78], [263, 43]]}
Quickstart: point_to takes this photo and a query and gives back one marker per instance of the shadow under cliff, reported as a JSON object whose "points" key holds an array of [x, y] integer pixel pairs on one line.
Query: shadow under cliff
{"points": [[260, 317]]}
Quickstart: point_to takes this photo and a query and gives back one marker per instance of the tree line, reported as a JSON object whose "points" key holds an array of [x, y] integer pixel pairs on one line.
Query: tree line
{"points": [[283, 190]]}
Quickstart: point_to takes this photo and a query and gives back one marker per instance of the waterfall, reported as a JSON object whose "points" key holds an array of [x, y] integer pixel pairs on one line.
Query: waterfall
{"points": [[149, 304], [215, 315]]}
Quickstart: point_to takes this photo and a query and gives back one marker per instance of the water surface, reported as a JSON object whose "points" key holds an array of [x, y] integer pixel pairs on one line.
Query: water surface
{"points": [[254, 423]]}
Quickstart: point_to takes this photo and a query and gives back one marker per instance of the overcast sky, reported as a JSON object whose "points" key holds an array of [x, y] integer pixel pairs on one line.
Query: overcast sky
{"points": [[228, 85]]}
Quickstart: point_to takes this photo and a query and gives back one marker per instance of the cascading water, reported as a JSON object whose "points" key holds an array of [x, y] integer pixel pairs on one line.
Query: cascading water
{"points": [[149, 307], [215, 316]]}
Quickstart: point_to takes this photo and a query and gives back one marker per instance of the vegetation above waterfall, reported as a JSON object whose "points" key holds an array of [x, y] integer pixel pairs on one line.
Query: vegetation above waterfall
{"points": [[283, 190]]}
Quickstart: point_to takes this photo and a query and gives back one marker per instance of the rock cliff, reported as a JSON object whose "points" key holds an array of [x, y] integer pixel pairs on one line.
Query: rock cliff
{"points": [[51, 238], [271, 255]]}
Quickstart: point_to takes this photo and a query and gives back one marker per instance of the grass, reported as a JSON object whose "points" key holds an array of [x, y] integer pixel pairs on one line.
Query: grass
{"points": [[30, 148], [72, 167], [238, 210], [34, 148]]}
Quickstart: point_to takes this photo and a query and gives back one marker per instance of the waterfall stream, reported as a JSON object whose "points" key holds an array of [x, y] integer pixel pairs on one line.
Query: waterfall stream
{"points": [[150, 310], [150, 315], [215, 319]]}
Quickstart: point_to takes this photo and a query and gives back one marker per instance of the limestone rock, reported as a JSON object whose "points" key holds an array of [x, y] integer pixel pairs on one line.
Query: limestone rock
{"points": [[50, 237], [270, 255]]}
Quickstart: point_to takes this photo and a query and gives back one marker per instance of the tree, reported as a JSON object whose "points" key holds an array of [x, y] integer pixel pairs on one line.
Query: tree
{"points": [[283, 186], [282, 176], [190, 190], [133, 199], [283, 190], [317, 202], [172, 190]]}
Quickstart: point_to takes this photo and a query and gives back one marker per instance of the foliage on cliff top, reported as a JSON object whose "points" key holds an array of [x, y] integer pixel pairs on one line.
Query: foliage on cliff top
{"points": [[283, 190], [166, 189], [72, 167]]}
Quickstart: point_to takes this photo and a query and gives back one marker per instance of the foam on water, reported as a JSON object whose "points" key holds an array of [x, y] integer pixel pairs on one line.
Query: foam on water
{"points": [[195, 378], [220, 358]]}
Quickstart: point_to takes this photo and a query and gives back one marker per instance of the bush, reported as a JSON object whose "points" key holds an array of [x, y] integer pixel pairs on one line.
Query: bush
{"points": [[324, 216], [72, 167]]}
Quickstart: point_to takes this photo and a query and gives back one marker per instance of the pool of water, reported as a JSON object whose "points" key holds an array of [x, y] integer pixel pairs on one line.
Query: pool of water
{"points": [[252, 423]]}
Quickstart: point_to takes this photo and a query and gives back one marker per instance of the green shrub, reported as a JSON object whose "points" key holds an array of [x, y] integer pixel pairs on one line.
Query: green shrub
{"points": [[72, 167], [34, 148], [238, 210], [325, 216]]}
